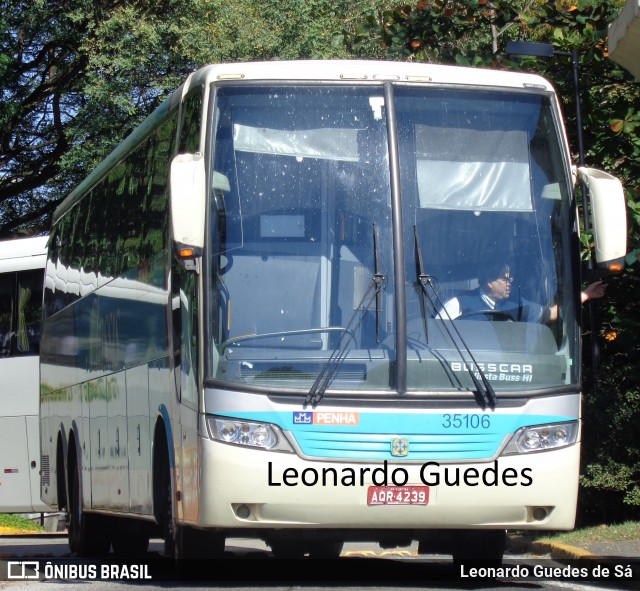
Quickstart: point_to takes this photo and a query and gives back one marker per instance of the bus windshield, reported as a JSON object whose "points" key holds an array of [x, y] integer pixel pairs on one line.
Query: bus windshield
{"points": [[302, 285]]}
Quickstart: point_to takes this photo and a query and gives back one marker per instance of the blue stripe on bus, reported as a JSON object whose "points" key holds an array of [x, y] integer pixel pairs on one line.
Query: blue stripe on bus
{"points": [[440, 436]]}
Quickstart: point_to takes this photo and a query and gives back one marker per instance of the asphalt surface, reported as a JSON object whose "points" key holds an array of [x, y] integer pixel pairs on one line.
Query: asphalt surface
{"points": [[614, 550]]}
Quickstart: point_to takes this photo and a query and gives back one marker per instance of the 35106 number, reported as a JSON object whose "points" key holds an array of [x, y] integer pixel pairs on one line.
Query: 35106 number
{"points": [[459, 421]]}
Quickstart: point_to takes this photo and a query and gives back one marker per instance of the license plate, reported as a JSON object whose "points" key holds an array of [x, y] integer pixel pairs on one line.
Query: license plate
{"points": [[398, 495]]}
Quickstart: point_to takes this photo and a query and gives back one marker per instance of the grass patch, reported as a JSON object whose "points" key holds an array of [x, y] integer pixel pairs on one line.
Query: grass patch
{"points": [[18, 524], [629, 530]]}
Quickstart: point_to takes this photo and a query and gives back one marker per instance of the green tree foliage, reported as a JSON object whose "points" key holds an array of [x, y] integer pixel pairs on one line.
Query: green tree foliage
{"points": [[33, 113], [429, 31], [276, 29], [76, 75], [79, 75]]}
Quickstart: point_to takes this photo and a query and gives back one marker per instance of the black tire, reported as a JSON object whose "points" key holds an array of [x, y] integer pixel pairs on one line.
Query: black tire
{"points": [[299, 548], [325, 549], [89, 535], [168, 528], [198, 544], [130, 538], [182, 542], [482, 546], [287, 548]]}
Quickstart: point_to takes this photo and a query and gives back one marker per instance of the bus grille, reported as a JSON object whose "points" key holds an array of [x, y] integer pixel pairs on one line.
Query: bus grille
{"points": [[378, 446]]}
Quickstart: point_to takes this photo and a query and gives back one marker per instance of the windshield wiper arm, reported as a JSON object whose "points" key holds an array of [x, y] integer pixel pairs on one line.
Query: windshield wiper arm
{"points": [[328, 371], [378, 279], [423, 279], [485, 391]]}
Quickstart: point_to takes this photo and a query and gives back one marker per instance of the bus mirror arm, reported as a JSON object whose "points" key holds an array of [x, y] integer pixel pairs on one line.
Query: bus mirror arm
{"points": [[188, 256], [188, 204]]}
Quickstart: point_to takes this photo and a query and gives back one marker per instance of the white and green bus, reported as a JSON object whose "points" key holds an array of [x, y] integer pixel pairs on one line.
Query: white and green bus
{"points": [[21, 277], [241, 333]]}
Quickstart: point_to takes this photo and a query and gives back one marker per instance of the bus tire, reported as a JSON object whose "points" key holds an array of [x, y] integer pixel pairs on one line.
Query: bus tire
{"points": [[89, 534], [181, 541], [196, 543], [169, 532], [299, 548], [480, 546], [130, 538], [325, 549], [287, 548]]}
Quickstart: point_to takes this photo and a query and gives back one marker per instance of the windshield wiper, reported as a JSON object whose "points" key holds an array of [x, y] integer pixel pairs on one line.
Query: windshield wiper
{"points": [[485, 393], [374, 291]]}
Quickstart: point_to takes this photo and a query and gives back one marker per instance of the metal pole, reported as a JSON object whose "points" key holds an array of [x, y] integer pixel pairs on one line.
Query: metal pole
{"points": [[593, 312], [575, 66]]}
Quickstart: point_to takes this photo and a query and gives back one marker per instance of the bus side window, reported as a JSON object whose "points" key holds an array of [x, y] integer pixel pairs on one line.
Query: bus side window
{"points": [[189, 140], [20, 313], [29, 312], [7, 330]]}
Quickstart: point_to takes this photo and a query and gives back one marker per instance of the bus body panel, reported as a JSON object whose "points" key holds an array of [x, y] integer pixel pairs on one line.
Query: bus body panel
{"points": [[278, 490], [20, 479], [21, 264], [274, 491]]}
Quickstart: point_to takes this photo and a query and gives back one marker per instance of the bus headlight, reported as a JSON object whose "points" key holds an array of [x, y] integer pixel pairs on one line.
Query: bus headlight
{"points": [[542, 438], [247, 433]]}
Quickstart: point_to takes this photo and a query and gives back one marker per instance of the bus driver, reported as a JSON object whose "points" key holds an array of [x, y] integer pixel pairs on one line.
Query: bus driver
{"points": [[491, 299]]}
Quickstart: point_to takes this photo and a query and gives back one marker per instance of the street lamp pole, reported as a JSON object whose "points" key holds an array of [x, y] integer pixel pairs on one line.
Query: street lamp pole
{"points": [[575, 66]]}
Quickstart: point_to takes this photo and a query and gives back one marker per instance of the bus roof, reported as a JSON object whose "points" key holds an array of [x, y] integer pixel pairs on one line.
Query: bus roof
{"points": [[366, 70], [15, 248], [21, 254]]}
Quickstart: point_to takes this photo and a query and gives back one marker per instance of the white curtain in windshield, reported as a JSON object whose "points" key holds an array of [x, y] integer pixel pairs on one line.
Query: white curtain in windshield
{"points": [[473, 169]]}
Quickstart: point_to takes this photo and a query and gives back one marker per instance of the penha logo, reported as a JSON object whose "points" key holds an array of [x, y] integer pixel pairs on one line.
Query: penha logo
{"points": [[302, 418]]}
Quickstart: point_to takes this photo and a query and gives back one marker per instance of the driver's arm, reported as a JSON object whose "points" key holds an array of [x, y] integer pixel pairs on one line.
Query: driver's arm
{"points": [[593, 291]]}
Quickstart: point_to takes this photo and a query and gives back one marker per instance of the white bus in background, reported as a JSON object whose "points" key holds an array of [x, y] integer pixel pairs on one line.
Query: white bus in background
{"points": [[21, 278], [240, 333]]}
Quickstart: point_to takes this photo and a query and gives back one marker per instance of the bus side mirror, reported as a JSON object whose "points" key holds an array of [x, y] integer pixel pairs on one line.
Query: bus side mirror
{"points": [[188, 206], [608, 218]]}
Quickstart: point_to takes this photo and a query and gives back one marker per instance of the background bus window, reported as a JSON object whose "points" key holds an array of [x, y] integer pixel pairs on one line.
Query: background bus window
{"points": [[20, 313]]}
